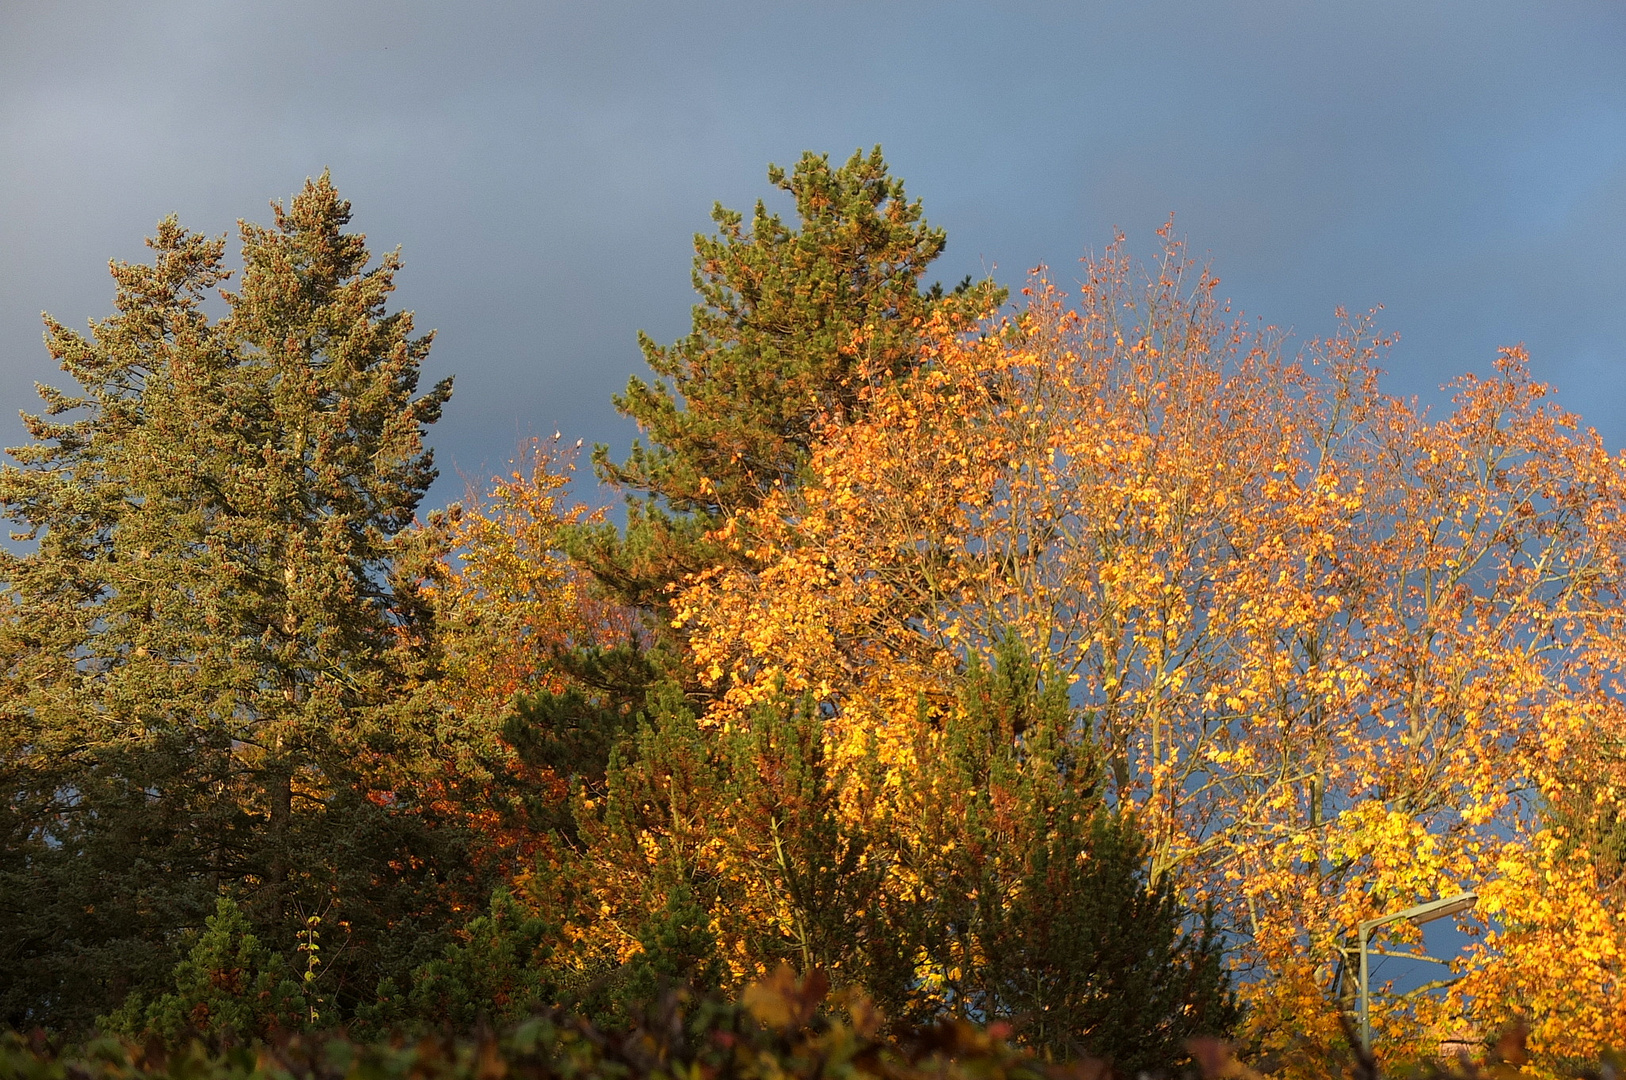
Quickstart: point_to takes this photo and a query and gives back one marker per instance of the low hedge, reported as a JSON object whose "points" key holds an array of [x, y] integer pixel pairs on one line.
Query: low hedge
{"points": [[782, 1029]]}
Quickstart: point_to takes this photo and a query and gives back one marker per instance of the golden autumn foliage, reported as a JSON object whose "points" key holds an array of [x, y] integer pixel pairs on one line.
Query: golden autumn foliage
{"points": [[512, 600], [506, 604], [1338, 653]]}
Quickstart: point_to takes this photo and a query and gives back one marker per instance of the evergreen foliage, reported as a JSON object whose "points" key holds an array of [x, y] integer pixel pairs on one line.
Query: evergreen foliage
{"points": [[1003, 889], [784, 795], [1032, 901], [229, 986], [205, 626], [497, 974], [793, 322], [783, 1029]]}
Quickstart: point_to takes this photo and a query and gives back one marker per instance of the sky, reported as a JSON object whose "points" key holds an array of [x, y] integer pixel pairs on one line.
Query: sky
{"points": [[544, 166]]}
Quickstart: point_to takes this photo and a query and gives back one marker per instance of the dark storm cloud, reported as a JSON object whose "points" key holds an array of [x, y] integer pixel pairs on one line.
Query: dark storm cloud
{"points": [[544, 166]]}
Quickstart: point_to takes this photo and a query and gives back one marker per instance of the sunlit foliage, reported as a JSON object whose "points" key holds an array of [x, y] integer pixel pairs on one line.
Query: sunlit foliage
{"points": [[1095, 665], [1337, 652]]}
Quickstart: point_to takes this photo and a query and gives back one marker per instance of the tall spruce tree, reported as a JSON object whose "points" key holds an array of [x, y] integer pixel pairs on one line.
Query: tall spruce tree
{"points": [[199, 636]]}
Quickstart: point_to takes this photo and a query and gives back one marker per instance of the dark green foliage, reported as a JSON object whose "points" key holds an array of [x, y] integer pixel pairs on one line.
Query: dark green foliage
{"points": [[678, 950], [496, 975], [782, 795], [571, 732], [229, 987], [95, 875], [663, 782], [1034, 903], [785, 1030], [760, 799], [1030, 900], [202, 636], [792, 323]]}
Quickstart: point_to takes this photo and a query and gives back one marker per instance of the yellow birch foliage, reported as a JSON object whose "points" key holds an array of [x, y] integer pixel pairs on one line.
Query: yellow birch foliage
{"points": [[506, 602], [1335, 650], [512, 599]]}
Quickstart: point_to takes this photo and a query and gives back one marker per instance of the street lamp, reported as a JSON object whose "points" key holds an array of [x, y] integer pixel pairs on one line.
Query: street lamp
{"points": [[1422, 913]]}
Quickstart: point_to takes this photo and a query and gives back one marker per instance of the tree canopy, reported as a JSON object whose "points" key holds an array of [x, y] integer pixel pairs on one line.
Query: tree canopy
{"points": [[1089, 668], [792, 324]]}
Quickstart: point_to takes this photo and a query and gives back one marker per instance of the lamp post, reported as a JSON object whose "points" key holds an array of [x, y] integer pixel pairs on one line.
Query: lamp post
{"points": [[1422, 913]]}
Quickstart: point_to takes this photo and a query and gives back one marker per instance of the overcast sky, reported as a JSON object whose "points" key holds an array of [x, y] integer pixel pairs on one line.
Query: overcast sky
{"points": [[544, 166]]}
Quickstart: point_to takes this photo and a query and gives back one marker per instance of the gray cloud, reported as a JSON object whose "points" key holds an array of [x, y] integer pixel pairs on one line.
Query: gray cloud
{"points": [[544, 165]]}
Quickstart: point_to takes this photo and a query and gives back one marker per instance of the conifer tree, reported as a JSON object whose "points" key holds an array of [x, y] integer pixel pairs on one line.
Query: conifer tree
{"points": [[205, 626], [228, 986], [1031, 899], [987, 881], [497, 974], [825, 869], [792, 323], [710, 854]]}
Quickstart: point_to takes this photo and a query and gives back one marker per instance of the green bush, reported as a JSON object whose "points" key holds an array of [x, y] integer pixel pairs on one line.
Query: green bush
{"points": [[229, 985], [783, 1029]]}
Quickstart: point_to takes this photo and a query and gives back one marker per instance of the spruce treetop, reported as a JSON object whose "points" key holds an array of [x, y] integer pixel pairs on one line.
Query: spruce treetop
{"points": [[200, 639]]}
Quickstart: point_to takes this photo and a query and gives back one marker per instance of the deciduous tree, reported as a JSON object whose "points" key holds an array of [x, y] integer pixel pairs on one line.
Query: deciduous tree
{"points": [[525, 682], [1330, 645]]}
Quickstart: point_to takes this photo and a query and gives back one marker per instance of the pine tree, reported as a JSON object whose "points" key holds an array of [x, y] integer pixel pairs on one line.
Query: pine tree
{"points": [[792, 323], [205, 627], [986, 880], [497, 974], [1032, 900], [707, 853], [229, 986], [824, 865]]}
